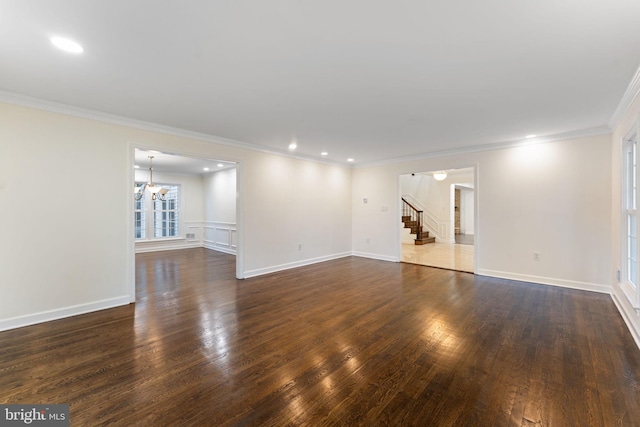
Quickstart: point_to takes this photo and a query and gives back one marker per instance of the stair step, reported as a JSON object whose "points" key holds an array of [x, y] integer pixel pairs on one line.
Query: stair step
{"points": [[425, 240], [414, 230], [406, 218], [410, 224]]}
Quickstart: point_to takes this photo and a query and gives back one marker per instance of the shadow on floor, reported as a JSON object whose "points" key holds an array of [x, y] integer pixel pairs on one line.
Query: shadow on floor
{"points": [[464, 239]]}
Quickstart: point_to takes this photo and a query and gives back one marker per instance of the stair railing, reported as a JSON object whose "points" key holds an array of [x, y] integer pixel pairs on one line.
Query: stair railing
{"points": [[415, 214]]}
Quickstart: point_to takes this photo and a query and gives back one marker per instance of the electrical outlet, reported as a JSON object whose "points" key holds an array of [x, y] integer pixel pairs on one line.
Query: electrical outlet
{"points": [[536, 256], [618, 274], [299, 246]]}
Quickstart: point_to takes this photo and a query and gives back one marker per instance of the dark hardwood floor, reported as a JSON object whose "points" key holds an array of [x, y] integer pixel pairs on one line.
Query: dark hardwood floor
{"points": [[347, 342]]}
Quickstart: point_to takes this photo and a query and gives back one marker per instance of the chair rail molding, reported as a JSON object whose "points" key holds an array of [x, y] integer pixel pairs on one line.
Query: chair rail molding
{"points": [[220, 236]]}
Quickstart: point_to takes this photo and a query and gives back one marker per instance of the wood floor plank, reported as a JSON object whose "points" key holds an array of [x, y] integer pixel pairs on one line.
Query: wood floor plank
{"points": [[347, 342]]}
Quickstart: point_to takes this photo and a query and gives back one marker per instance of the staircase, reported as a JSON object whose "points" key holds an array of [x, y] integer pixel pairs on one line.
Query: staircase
{"points": [[412, 218]]}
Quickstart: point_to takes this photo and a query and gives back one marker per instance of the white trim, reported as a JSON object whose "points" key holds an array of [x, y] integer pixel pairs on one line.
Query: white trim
{"points": [[131, 244], [226, 245], [160, 239], [219, 249], [240, 246], [551, 281], [61, 313], [398, 222], [168, 246], [290, 265], [628, 290], [635, 333], [55, 107], [476, 217], [633, 90], [376, 256], [602, 130]]}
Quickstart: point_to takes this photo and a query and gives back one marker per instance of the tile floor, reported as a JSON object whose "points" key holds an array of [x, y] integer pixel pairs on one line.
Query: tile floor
{"points": [[444, 255]]}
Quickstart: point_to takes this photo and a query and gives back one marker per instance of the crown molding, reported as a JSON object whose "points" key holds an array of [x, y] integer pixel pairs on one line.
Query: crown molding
{"points": [[55, 107], [583, 133], [633, 90], [85, 113]]}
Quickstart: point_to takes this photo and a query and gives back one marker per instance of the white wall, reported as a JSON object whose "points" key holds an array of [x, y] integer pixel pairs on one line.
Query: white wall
{"points": [[467, 197], [220, 196], [295, 204], [630, 118], [552, 198], [220, 232], [65, 212], [55, 261]]}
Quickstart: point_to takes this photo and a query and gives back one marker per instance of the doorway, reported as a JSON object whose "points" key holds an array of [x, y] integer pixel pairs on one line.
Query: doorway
{"points": [[464, 213], [446, 202], [196, 208]]}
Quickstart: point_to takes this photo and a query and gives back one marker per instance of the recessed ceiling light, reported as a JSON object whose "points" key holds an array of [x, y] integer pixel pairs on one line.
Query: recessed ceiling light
{"points": [[205, 169], [324, 153], [136, 166], [293, 146], [220, 165], [349, 159], [66, 45], [531, 136]]}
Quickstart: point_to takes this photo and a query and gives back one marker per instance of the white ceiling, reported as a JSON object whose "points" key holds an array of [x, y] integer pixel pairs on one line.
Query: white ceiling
{"points": [[172, 163], [366, 79]]}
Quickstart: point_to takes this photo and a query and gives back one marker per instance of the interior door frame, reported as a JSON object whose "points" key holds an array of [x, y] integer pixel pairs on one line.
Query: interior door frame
{"points": [[130, 175], [476, 208]]}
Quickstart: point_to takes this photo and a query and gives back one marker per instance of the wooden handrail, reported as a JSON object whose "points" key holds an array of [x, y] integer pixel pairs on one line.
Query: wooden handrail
{"points": [[415, 214], [411, 206]]}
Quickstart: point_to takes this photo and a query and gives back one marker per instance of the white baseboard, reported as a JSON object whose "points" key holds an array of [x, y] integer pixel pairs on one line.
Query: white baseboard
{"points": [[214, 247], [634, 327], [61, 313], [374, 256], [301, 263], [167, 247], [571, 284]]}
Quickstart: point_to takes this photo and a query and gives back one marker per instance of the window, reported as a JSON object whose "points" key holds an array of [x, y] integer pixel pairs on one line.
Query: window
{"points": [[630, 271], [165, 214], [139, 219]]}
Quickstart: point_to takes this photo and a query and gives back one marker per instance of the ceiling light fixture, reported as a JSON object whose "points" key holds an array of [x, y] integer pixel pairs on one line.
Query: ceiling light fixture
{"points": [[220, 165], [324, 153], [157, 192], [349, 159], [293, 146], [530, 136], [205, 169], [66, 45], [439, 175]]}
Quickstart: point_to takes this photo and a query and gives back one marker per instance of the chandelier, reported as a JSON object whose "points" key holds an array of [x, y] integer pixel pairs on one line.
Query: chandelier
{"points": [[157, 192]]}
